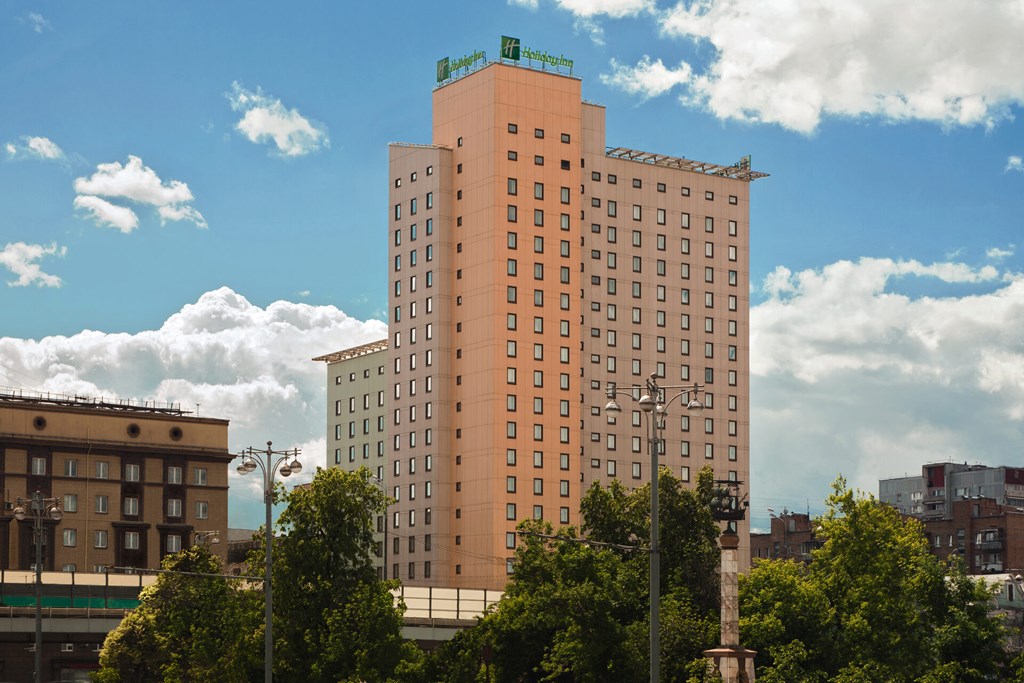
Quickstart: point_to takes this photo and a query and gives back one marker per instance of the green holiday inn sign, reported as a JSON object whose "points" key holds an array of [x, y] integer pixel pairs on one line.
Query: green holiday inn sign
{"points": [[510, 50]]}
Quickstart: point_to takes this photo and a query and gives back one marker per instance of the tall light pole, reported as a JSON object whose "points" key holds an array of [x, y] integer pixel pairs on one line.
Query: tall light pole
{"points": [[38, 507], [251, 459], [653, 405]]}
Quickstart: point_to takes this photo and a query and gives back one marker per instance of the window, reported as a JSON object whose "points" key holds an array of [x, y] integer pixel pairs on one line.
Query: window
{"points": [[102, 469], [538, 486], [174, 507], [101, 505], [173, 475], [565, 138], [131, 506], [99, 539], [131, 472], [612, 208], [202, 509], [512, 213], [564, 195], [70, 468], [173, 543], [510, 484], [512, 186], [636, 212], [538, 160], [38, 466], [71, 502], [538, 190], [199, 476], [131, 540]]}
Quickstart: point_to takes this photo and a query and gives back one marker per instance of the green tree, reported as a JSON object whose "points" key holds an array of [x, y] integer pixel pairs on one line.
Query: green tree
{"points": [[573, 611], [188, 627], [334, 620], [873, 605]]}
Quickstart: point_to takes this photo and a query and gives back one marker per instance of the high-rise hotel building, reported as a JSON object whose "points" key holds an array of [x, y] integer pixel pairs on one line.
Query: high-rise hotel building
{"points": [[530, 265]]}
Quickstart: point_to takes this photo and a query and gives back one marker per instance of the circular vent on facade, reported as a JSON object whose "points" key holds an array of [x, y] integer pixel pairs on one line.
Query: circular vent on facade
{"points": [[39, 422], [176, 433], [134, 430]]}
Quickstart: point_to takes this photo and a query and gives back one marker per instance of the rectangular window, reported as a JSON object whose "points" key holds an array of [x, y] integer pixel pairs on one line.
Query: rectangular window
{"points": [[174, 507], [100, 539], [70, 468], [131, 472], [173, 543], [131, 540], [131, 506], [173, 475], [199, 477], [70, 502], [202, 509]]}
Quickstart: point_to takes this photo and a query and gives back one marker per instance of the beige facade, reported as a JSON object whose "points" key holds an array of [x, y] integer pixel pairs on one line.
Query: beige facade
{"points": [[357, 418], [134, 482], [529, 266]]}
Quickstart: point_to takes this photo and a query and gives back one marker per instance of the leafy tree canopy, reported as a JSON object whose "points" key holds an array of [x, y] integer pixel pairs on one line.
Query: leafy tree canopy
{"points": [[873, 605]]}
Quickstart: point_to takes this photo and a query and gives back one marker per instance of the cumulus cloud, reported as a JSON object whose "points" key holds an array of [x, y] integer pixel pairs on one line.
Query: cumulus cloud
{"points": [[233, 359], [34, 147], [850, 377], [266, 119], [103, 213], [648, 78], [587, 12], [1014, 163], [793, 63], [997, 254], [23, 260], [136, 183]]}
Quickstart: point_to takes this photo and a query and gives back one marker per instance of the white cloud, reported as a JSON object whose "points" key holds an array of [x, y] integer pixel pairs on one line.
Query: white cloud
{"points": [[235, 360], [849, 377], [34, 147], [137, 183], [997, 254], [103, 213], [528, 4], [22, 260], [37, 21], [615, 9], [1014, 163], [647, 78], [794, 62], [266, 119]]}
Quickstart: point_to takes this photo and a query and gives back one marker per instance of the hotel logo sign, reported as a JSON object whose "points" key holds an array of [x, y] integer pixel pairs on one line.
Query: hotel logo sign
{"points": [[446, 66], [510, 48]]}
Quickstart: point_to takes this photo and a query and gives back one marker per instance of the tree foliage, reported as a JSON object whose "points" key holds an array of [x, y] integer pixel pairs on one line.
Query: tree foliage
{"points": [[186, 628], [874, 604], [577, 612], [334, 620]]}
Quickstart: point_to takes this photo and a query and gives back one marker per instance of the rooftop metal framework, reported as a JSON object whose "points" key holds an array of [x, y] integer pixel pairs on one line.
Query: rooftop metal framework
{"points": [[740, 170], [355, 351], [119, 404]]}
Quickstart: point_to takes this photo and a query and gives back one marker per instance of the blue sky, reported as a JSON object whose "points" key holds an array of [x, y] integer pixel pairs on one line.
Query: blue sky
{"points": [[193, 203]]}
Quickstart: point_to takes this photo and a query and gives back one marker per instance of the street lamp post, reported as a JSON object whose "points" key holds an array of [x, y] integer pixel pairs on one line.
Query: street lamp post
{"points": [[251, 459], [38, 508], [653, 405]]}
